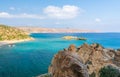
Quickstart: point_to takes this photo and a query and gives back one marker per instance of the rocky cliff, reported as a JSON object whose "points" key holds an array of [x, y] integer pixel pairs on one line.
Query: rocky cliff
{"points": [[83, 61]]}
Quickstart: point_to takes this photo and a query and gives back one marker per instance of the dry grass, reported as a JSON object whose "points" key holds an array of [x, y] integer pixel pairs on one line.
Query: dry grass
{"points": [[11, 33]]}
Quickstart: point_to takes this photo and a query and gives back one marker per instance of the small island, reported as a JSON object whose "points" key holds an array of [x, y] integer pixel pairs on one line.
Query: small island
{"points": [[74, 38], [10, 35], [69, 37]]}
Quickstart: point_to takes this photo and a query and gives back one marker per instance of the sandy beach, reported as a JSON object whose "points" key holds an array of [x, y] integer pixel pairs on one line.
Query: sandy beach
{"points": [[14, 41]]}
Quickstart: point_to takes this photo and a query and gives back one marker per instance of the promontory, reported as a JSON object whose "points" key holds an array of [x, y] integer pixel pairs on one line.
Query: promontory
{"points": [[12, 35]]}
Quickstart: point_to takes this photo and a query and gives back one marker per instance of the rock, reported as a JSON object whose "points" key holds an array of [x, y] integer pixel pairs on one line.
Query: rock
{"points": [[72, 48], [108, 54], [118, 53], [69, 37], [117, 58], [74, 38], [67, 64], [83, 61], [118, 49], [81, 38], [97, 46]]}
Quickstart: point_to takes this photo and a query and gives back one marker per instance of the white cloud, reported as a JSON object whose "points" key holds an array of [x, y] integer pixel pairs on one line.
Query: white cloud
{"points": [[65, 12], [4, 15], [97, 20], [12, 8], [23, 15]]}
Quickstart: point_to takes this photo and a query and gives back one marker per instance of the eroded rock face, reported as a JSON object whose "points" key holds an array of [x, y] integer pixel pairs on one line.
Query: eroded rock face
{"points": [[83, 61], [72, 48], [68, 64], [117, 58]]}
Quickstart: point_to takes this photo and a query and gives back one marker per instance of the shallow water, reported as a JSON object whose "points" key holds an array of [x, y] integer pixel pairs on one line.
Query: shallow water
{"points": [[32, 58]]}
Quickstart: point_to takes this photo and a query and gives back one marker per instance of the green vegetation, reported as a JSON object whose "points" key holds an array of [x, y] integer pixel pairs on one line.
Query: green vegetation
{"points": [[109, 71], [11, 33]]}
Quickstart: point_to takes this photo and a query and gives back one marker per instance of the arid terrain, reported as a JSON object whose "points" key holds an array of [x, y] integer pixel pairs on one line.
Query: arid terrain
{"points": [[54, 30]]}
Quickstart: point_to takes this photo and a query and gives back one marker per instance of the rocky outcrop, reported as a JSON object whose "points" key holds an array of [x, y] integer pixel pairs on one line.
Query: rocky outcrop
{"points": [[68, 64], [83, 61]]}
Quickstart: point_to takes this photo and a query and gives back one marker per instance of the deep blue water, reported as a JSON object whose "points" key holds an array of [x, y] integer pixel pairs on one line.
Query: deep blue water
{"points": [[32, 58]]}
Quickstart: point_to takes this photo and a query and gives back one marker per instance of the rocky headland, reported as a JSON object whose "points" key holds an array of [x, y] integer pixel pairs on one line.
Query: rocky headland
{"points": [[10, 35], [85, 61]]}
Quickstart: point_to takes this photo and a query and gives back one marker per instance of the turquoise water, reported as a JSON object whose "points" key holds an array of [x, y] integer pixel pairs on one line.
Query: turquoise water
{"points": [[32, 58]]}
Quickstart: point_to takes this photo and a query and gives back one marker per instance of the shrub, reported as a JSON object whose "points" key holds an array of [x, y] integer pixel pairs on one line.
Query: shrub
{"points": [[109, 71], [11, 33]]}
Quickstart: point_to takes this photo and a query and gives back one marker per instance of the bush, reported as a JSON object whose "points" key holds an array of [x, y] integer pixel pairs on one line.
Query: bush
{"points": [[109, 71]]}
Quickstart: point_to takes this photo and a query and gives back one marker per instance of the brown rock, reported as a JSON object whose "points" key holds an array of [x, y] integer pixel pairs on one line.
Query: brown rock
{"points": [[72, 48], [67, 64], [117, 58], [97, 46], [87, 59]]}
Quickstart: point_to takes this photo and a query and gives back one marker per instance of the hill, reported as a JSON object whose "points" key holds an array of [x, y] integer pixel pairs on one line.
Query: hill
{"points": [[54, 30], [12, 33]]}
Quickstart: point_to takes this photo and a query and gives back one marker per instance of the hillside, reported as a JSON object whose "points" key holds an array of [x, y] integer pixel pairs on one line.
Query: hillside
{"points": [[54, 30], [11, 33]]}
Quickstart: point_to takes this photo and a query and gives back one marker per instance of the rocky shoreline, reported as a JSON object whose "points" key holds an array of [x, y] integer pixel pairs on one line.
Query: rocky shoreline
{"points": [[85, 61]]}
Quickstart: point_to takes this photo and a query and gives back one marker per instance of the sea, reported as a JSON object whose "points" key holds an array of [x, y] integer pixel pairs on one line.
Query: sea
{"points": [[32, 58]]}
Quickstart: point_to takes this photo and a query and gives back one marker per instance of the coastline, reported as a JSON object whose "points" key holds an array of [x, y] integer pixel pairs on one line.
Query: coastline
{"points": [[53, 30], [5, 42]]}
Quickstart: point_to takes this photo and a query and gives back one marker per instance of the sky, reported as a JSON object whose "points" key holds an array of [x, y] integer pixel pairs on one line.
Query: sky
{"points": [[100, 15]]}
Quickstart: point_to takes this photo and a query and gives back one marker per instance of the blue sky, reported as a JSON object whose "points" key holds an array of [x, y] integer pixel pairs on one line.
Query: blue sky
{"points": [[101, 15]]}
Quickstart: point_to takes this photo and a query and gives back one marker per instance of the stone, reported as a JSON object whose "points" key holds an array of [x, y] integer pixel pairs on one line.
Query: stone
{"points": [[83, 61], [72, 48], [68, 64]]}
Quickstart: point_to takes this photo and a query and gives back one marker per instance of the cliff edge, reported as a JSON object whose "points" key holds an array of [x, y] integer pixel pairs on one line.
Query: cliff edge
{"points": [[83, 61]]}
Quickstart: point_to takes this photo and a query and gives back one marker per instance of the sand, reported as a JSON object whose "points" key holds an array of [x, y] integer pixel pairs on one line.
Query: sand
{"points": [[14, 41]]}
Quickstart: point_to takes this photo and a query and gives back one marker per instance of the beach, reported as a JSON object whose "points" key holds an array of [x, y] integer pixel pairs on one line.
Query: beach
{"points": [[14, 41]]}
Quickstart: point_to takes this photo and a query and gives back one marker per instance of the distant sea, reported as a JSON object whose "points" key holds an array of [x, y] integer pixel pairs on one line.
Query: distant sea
{"points": [[32, 58]]}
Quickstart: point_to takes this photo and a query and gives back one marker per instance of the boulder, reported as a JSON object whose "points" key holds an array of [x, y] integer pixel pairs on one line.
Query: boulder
{"points": [[67, 64], [72, 48]]}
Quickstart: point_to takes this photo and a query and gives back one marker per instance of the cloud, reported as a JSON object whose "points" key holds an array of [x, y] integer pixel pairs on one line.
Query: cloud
{"points": [[12, 8], [97, 20], [23, 15], [5, 15], [65, 12]]}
